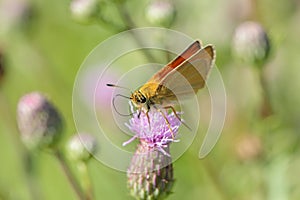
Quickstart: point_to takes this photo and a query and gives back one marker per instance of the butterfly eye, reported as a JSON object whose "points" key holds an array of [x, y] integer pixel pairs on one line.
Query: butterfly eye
{"points": [[140, 98], [143, 99]]}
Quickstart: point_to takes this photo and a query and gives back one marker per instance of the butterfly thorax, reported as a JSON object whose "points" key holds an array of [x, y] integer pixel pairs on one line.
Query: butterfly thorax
{"points": [[150, 95]]}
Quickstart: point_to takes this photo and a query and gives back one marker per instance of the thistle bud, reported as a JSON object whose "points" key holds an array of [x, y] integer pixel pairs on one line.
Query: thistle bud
{"points": [[84, 11], [251, 42], [161, 13], [81, 147], [14, 13], [39, 122], [150, 175]]}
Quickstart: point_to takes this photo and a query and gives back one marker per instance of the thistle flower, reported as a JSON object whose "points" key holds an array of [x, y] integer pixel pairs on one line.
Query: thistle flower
{"points": [[39, 122], [251, 42], [157, 135], [161, 12], [150, 174], [81, 147]]}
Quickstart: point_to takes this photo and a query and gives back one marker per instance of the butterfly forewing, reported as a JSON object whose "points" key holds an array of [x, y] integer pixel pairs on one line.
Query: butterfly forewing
{"points": [[182, 77], [189, 76], [189, 52]]}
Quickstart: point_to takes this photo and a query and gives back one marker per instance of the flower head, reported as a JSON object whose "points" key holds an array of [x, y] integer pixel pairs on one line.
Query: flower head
{"points": [[150, 173], [39, 122], [251, 42], [161, 12], [81, 147], [158, 134], [83, 11]]}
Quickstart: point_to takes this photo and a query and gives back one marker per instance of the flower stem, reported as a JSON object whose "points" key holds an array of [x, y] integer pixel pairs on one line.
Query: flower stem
{"points": [[29, 166], [266, 108], [86, 180], [129, 24], [109, 24], [70, 176]]}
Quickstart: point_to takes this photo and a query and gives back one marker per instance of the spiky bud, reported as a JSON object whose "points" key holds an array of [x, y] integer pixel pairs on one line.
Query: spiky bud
{"points": [[251, 42], [81, 147], [39, 122], [161, 13], [150, 175]]}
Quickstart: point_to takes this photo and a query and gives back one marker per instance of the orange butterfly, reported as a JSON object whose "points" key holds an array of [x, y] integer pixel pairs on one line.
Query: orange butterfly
{"points": [[160, 91]]}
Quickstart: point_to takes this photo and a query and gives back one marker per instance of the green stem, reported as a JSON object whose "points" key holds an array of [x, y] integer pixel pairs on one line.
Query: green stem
{"points": [[29, 166], [70, 176], [255, 15], [129, 23], [266, 108], [86, 180], [109, 24]]}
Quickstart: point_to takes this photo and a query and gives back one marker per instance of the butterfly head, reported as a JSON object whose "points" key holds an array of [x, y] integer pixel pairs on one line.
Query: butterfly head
{"points": [[138, 99]]}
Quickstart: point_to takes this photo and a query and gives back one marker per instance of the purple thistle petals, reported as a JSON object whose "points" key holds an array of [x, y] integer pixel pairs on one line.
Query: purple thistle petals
{"points": [[158, 135], [129, 141]]}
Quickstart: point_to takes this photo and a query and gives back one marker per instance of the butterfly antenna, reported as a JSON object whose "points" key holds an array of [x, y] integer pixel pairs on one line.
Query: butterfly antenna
{"points": [[113, 85], [120, 95]]}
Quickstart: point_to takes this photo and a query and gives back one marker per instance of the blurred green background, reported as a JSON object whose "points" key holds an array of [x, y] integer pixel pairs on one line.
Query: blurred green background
{"points": [[257, 156]]}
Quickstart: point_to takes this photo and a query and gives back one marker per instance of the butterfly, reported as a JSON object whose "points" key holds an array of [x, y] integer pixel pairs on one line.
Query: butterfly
{"points": [[163, 88]]}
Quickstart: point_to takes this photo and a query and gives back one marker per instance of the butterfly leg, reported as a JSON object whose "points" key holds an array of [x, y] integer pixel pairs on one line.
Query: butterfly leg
{"points": [[174, 111], [147, 115], [167, 122]]}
